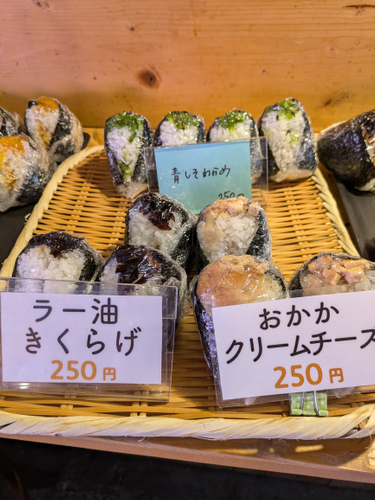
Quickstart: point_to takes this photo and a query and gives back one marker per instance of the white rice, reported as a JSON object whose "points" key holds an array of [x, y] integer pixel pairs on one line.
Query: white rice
{"points": [[240, 132], [226, 234], [38, 262], [143, 232], [284, 137], [41, 124], [124, 150], [173, 136]]}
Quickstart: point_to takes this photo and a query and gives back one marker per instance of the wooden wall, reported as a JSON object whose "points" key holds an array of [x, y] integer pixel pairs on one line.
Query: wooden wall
{"points": [[205, 56]]}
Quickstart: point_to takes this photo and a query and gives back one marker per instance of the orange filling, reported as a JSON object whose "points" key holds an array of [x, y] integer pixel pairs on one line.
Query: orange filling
{"points": [[16, 145], [45, 105]]}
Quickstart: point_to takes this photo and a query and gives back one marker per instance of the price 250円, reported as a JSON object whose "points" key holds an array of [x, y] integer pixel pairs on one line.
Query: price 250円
{"points": [[313, 375]]}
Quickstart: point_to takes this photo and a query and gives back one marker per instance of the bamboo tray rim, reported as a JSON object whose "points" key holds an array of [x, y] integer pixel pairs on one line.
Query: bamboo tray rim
{"points": [[217, 428]]}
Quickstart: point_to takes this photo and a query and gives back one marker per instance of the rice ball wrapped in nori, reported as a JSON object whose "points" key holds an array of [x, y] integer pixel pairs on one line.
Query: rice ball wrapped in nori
{"points": [[229, 281], [126, 135], [24, 171], [179, 128], [291, 142], [158, 221], [60, 256], [53, 126], [236, 125], [10, 123], [143, 265], [326, 271], [348, 150], [235, 226]]}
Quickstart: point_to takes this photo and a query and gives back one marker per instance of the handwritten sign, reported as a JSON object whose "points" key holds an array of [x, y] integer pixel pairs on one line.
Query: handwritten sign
{"points": [[199, 174], [295, 345], [81, 338]]}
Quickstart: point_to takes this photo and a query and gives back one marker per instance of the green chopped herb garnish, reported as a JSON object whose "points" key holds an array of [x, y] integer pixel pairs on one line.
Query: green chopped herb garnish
{"points": [[288, 108], [126, 170], [230, 119], [182, 119], [128, 120]]}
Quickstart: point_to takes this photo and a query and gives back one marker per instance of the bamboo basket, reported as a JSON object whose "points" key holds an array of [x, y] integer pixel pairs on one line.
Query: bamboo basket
{"points": [[80, 198]]}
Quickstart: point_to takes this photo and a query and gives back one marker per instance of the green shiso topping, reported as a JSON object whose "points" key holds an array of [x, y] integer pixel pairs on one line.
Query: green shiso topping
{"points": [[182, 119], [126, 170], [230, 119], [128, 120], [287, 108]]}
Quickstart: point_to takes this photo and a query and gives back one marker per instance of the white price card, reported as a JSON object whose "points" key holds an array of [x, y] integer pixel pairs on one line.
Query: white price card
{"points": [[94, 339], [291, 345]]}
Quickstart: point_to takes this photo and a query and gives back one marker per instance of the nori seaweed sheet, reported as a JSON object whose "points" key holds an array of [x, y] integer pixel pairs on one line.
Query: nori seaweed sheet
{"points": [[342, 148], [307, 157], [63, 130], [10, 123], [140, 173], [60, 242], [201, 131], [205, 323], [259, 247], [158, 209], [36, 179], [295, 282]]}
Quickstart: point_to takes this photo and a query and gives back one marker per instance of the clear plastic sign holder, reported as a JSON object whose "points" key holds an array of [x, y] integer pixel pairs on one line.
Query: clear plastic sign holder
{"points": [[351, 335], [55, 332], [205, 173]]}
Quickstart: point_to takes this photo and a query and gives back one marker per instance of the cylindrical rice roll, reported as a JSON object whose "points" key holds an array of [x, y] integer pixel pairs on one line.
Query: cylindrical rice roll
{"points": [[53, 126], [229, 281], [236, 125], [291, 143], [179, 128], [24, 171], [126, 135], [158, 221], [348, 150], [235, 226], [10, 123], [143, 265], [60, 256], [334, 273]]}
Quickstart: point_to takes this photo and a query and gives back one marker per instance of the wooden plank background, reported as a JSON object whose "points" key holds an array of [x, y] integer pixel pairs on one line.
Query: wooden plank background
{"points": [[205, 56]]}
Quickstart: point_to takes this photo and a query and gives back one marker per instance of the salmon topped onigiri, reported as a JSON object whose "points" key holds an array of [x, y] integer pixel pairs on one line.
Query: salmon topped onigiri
{"points": [[235, 226]]}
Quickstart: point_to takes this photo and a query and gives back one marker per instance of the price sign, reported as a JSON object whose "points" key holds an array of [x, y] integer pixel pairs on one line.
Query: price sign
{"points": [[199, 174], [295, 345], [55, 338]]}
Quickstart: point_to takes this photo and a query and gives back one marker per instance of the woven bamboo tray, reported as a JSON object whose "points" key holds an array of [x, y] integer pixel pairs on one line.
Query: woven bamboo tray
{"points": [[304, 220]]}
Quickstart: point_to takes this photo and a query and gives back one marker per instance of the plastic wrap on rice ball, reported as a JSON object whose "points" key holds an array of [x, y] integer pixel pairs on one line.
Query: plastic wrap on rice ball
{"points": [[10, 123], [143, 265], [333, 273], [126, 135], [59, 256], [24, 171], [229, 281], [348, 150], [53, 126], [236, 125], [179, 128], [291, 143], [235, 226], [158, 221]]}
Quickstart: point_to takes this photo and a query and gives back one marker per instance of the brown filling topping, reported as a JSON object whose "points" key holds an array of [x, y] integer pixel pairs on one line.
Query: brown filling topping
{"points": [[235, 280], [326, 270], [233, 206]]}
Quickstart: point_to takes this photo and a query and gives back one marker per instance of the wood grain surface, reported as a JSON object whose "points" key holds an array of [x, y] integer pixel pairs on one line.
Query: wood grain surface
{"points": [[205, 56]]}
